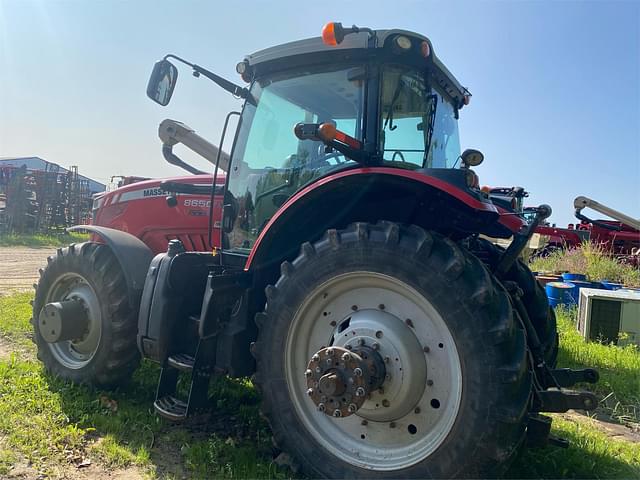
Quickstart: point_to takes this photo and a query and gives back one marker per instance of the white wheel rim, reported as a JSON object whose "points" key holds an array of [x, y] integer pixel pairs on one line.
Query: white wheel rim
{"points": [[75, 354], [378, 437]]}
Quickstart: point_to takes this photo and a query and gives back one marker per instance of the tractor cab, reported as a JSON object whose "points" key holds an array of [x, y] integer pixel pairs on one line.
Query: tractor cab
{"points": [[316, 108]]}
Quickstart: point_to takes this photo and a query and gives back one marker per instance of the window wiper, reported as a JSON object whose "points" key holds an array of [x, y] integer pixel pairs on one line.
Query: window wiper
{"points": [[431, 121], [396, 95]]}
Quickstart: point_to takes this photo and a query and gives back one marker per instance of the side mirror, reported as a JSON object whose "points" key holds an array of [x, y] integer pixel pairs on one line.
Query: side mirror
{"points": [[162, 82], [471, 158]]}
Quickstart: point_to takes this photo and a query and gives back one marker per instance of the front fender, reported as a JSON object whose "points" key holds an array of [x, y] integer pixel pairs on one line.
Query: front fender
{"points": [[132, 254]]}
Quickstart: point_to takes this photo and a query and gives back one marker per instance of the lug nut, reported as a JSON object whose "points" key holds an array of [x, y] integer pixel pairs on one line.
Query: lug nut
{"points": [[328, 361], [310, 392], [321, 407], [352, 407], [385, 403], [417, 410], [379, 334], [392, 424], [316, 357], [381, 306], [318, 370], [360, 392], [308, 373], [364, 422], [357, 372], [426, 349], [354, 307], [323, 398], [337, 413], [361, 342], [329, 351], [375, 346], [349, 347], [429, 382], [346, 357]]}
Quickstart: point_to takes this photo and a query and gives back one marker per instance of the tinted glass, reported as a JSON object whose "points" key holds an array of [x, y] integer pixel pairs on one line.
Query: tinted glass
{"points": [[269, 162], [418, 125]]}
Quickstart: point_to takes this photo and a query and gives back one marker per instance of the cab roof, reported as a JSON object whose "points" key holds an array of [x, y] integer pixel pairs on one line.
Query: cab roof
{"points": [[352, 43]]}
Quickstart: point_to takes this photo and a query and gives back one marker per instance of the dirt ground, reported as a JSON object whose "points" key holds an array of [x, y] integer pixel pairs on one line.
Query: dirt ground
{"points": [[19, 267]]}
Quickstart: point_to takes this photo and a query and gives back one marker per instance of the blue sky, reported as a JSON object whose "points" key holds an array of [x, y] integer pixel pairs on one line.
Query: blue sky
{"points": [[556, 85]]}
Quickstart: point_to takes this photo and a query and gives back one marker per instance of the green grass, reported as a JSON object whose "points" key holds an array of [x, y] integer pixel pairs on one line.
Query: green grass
{"points": [[49, 423], [14, 310], [591, 454], [39, 240], [7, 460], [619, 368], [591, 260]]}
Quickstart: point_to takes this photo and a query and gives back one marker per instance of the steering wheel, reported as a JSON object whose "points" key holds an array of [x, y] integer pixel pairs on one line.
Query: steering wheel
{"points": [[335, 154], [399, 153]]}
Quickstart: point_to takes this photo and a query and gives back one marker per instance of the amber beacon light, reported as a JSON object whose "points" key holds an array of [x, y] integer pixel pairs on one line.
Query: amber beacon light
{"points": [[332, 34]]}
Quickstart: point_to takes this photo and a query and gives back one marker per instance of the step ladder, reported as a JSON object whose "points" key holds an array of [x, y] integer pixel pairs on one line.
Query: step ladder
{"points": [[200, 368]]}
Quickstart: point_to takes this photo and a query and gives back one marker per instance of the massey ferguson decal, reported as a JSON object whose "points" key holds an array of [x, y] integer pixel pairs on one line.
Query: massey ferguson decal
{"points": [[191, 201]]}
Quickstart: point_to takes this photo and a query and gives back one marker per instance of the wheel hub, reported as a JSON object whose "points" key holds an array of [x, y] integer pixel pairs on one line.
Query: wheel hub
{"points": [[412, 410], [339, 380], [75, 349]]}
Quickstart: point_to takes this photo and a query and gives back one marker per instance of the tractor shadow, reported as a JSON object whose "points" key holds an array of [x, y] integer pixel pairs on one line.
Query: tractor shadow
{"points": [[230, 439]]}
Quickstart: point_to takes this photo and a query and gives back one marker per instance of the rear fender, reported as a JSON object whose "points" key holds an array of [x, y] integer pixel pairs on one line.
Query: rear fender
{"points": [[369, 195], [132, 254]]}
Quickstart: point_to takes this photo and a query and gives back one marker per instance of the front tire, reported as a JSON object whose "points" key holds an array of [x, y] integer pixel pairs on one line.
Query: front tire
{"points": [[106, 355], [404, 286]]}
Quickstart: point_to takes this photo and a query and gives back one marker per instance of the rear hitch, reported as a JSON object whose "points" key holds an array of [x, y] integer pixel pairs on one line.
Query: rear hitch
{"points": [[520, 240], [567, 377], [560, 401]]}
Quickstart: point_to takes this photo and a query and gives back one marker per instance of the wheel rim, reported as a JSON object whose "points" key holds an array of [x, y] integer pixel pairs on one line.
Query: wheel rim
{"points": [[404, 422], [75, 354]]}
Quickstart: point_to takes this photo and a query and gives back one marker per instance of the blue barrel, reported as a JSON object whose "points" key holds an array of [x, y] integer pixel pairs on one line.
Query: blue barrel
{"points": [[560, 293], [607, 285], [575, 293], [570, 277]]}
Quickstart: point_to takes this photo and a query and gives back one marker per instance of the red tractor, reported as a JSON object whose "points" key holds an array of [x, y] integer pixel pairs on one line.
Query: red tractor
{"points": [[620, 236], [386, 338]]}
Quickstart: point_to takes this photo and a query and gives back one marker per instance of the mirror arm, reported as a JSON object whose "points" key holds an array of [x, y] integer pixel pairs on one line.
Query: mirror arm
{"points": [[173, 159], [230, 87]]}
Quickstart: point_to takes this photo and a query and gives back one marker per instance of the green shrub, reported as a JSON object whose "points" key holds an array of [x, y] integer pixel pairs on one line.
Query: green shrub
{"points": [[592, 260]]}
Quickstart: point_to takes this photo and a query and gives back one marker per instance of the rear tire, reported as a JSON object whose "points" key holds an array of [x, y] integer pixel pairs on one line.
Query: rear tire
{"points": [[534, 298], [107, 354], [471, 319]]}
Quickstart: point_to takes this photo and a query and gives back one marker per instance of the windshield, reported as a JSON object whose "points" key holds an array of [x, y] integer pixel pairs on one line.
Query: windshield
{"points": [[418, 128], [269, 162]]}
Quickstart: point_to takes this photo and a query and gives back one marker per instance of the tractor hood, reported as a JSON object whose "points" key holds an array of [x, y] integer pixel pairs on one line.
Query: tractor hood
{"points": [[151, 187]]}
